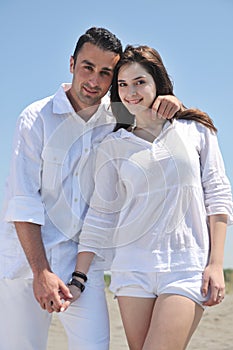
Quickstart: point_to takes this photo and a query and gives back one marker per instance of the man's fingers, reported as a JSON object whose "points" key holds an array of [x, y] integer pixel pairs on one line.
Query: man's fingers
{"points": [[54, 305], [64, 290], [156, 104], [170, 111], [166, 106], [163, 107], [65, 305]]}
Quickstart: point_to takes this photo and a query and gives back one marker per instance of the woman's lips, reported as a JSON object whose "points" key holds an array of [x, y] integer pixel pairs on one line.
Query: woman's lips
{"points": [[134, 102], [90, 91]]}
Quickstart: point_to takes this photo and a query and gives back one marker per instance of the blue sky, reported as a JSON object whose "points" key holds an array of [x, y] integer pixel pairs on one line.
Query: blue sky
{"points": [[194, 39]]}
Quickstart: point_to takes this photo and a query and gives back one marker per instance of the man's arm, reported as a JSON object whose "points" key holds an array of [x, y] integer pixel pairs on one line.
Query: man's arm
{"points": [[46, 284], [166, 106]]}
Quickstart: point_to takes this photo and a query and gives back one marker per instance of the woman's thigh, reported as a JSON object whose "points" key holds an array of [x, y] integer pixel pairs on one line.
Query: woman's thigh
{"points": [[173, 321], [136, 313]]}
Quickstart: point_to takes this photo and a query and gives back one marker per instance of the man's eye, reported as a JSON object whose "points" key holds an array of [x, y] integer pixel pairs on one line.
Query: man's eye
{"points": [[105, 73], [88, 68]]}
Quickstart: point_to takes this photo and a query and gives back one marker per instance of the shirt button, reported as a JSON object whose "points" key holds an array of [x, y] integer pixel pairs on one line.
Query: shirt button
{"points": [[76, 174], [86, 150], [76, 199]]}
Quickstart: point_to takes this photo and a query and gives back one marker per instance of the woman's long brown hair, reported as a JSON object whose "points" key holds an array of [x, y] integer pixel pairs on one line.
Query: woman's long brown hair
{"points": [[150, 59]]}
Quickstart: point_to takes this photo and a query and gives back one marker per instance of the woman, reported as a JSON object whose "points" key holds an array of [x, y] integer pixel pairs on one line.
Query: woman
{"points": [[159, 211]]}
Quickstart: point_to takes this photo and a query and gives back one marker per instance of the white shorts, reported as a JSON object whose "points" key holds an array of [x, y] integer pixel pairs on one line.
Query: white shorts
{"points": [[153, 284], [24, 324]]}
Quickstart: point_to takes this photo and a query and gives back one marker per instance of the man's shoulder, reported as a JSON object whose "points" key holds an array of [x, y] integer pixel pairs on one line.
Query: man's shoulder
{"points": [[36, 113], [38, 105]]}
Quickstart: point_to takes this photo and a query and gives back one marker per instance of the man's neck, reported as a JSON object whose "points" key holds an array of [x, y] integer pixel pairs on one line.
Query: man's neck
{"points": [[84, 112]]}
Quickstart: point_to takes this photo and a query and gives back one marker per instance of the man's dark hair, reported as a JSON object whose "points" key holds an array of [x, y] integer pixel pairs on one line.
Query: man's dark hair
{"points": [[100, 37]]}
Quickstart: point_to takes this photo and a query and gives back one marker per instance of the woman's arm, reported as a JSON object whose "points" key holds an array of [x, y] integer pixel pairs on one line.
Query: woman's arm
{"points": [[218, 203], [101, 219], [83, 263], [213, 277], [84, 260]]}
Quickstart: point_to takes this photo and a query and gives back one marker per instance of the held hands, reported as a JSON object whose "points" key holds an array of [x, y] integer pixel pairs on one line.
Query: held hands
{"points": [[166, 107], [76, 292], [213, 281], [76, 287], [50, 291]]}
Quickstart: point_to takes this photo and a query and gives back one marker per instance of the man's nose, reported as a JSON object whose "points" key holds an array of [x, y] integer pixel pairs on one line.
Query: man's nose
{"points": [[93, 80]]}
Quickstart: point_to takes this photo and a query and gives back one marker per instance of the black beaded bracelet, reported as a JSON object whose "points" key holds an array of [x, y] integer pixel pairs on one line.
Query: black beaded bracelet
{"points": [[80, 274], [77, 284]]}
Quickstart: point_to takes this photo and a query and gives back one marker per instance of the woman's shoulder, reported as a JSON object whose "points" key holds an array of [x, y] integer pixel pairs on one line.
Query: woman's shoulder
{"points": [[113, 141], [116, 135], [190, 124]]}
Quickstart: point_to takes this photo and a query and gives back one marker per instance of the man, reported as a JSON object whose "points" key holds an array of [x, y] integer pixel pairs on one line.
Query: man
{"points": [[48, 190]]}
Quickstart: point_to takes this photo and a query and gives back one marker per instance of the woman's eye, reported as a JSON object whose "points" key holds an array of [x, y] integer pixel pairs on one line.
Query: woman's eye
{"points": [[139, 82], [121, 84]]}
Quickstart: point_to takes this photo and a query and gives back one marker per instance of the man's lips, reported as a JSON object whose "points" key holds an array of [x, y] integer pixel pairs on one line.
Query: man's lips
{"points": [[90, 91]]}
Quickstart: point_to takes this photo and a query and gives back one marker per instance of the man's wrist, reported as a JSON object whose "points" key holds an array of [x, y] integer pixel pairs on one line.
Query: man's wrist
{"points": [[42, 271]]}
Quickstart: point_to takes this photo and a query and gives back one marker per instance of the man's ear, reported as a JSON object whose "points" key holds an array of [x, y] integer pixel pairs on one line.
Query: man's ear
{"points": [[71, 64]]}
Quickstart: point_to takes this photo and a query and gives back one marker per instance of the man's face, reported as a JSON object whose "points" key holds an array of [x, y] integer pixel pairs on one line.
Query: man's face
{"points": [[92, 75]]}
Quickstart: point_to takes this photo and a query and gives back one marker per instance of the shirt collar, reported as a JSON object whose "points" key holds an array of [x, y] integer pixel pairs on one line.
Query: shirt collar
{"points": [[128, 134], [62, 105]]}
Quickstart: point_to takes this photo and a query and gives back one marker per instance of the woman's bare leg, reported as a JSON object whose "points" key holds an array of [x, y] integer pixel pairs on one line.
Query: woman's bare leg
{"points": [[173, 322], [136, 315]]}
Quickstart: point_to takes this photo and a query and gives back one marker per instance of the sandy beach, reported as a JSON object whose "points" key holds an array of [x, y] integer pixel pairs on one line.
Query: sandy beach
{"points": [[215, 331]]}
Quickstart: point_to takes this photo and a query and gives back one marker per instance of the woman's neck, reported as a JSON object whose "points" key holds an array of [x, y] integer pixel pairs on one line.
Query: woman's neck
{"points": [[148, 129]]}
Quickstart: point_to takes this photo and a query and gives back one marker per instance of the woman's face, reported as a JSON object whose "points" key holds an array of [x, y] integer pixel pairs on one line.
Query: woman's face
{"points": [[136, 87]]}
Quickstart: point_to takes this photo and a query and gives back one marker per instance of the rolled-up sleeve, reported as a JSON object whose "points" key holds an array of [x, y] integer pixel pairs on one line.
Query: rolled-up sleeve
{"points": [[24, 181], [216, 185], [25, 209]]}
